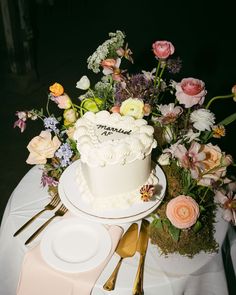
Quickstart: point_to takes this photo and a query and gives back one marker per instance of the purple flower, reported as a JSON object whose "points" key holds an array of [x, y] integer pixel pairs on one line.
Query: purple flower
{"points": [[64, 153], [48, 180], [50, 124]]}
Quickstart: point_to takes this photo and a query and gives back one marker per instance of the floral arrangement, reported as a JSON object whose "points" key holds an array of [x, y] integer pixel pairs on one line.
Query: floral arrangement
{"points": [[185, 129]]}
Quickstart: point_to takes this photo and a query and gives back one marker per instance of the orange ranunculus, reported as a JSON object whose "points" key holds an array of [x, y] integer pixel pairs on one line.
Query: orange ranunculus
{"points": [[56, 89], [182, 211]]}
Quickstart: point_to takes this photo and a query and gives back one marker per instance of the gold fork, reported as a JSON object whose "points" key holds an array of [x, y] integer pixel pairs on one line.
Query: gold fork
{"points": [[60, 212], [52, 205]]}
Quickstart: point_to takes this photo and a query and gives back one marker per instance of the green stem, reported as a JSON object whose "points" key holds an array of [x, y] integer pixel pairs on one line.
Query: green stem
{"points": [[162, 71], [205, 193], [157, 71], [47, 107], [218, 97]]}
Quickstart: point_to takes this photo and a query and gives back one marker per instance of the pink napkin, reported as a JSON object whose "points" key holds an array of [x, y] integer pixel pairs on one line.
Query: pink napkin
{"points": [[38, 278]]}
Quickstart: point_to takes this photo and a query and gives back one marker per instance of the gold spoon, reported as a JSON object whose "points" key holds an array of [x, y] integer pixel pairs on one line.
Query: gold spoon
{"points": [[126, 248]]}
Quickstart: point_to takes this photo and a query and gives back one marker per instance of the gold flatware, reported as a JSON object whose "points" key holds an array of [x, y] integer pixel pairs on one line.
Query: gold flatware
{"points": [[125, 248], [142, 249], [60, 212], [52, 205]]}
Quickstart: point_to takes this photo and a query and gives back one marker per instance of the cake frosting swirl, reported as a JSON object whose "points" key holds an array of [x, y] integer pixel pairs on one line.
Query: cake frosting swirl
{"points": [[115, 158]]}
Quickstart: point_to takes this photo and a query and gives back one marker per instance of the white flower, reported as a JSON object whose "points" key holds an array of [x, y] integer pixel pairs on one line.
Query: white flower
{"points": [[190, 136], [168, 134], [164, 159], [83, 83], [202, 119], [149, 75]]}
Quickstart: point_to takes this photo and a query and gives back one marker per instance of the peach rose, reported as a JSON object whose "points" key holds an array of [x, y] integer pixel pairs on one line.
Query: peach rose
{"points": [[56, 89], [182, 211], [42, 147], [163, 49], [215, 164], [190, 91]]}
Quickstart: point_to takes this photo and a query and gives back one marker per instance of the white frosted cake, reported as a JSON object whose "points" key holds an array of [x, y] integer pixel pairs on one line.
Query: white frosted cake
{"points": [[115, 158]]}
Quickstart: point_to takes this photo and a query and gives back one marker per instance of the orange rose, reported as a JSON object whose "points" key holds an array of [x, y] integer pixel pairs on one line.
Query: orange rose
{"points": [[56, 89], [182, 211]]}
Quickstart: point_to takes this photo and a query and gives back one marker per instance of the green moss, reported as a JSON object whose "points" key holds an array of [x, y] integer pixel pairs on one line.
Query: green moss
{"points": [[189, 242]]}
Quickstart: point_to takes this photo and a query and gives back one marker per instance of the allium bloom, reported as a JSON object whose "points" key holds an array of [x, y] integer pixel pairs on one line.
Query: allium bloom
{"points": [[202, 119], [190, 91], [182, 211], [163, 49], [56, 89], [83, 83], [132, 107], [42, 147]]}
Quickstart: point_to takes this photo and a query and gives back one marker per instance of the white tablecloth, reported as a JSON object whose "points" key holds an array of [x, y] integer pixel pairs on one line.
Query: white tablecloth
{"points": [[175, 275]]}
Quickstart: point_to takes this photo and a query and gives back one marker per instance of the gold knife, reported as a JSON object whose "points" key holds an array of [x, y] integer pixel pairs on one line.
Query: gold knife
{"points": [[125, 248], [142, 249]]}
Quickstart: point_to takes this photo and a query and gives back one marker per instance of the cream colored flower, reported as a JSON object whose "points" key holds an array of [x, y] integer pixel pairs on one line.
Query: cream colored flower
{"points": [[42, 147], [83, 83], [70, 116], [132, 107]]}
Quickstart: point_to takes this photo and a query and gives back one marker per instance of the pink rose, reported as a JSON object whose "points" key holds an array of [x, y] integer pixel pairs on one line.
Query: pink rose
{"points": [[42, 147], [163, 49], [115, 109], [190, 92], [182, 211], [63, 101]]}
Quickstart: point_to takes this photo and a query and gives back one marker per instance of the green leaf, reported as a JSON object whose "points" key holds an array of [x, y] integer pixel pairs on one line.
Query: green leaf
{"points": [[197, 226], [174, 232], [158, 223], [228, 120]]}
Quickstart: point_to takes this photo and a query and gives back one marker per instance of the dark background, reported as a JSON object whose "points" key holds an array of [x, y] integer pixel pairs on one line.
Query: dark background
{"points": [[65, 33]]}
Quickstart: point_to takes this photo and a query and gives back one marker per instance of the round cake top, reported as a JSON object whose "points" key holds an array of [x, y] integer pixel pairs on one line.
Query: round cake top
{"points": [[105, 138]]}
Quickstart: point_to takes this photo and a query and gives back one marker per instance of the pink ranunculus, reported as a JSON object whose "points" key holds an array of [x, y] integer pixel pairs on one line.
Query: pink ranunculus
{"points": [[163, 49], [108, 65], [182, 211], [42, 147], [190, 91]]}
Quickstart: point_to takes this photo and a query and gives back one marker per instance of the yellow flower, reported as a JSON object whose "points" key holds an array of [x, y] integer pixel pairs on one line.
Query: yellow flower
{"points": [[92, 104], [70, 116], [132, 107], [56, 89], [218, 131]]}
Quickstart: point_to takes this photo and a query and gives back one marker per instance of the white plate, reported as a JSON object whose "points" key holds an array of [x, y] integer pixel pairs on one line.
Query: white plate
{"points": [[69, 191], [75, 245]]}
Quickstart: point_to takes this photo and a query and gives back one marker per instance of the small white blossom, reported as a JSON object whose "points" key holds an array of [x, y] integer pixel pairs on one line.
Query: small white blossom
{"points": [[190, 136], [202, 119], [83, 83], [164, 159], [116, 41]]}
